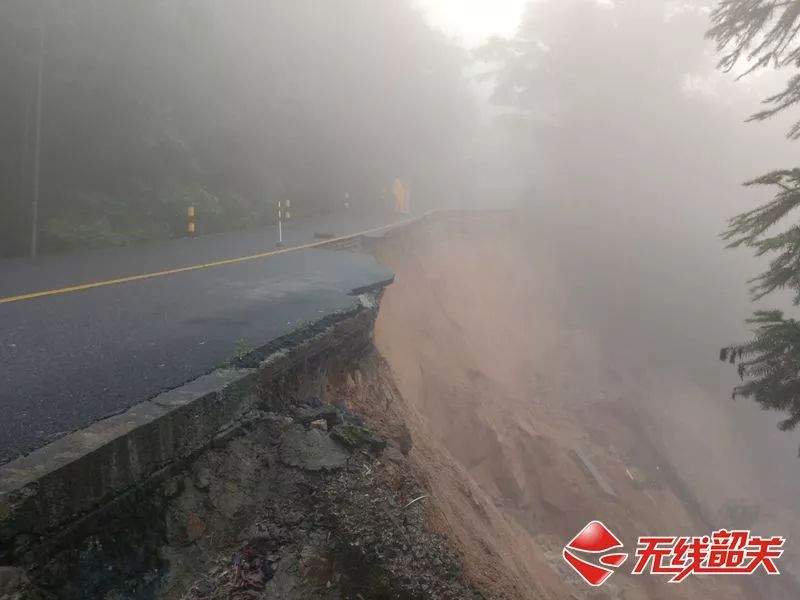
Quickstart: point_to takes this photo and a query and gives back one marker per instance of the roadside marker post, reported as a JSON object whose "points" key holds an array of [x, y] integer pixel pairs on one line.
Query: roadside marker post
{"points": [[190, 223], [284, 212], [218, 263], [401, 193]]}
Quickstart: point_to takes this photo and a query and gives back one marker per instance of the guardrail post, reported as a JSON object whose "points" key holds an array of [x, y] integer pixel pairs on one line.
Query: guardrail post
{"points": [[191, 228]]}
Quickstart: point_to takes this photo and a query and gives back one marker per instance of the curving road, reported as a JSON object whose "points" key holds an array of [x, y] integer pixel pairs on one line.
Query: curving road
{"points": [[71, 358]]}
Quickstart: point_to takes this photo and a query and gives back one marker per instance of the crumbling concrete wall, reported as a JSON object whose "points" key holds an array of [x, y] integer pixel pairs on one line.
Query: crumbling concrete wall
{"points": [[259, 480], [58, 492]]}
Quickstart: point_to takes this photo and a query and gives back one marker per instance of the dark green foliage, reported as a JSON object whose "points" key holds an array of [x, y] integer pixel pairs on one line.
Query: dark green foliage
{"points": [[769, 365], [765, 33], [749, 229]]}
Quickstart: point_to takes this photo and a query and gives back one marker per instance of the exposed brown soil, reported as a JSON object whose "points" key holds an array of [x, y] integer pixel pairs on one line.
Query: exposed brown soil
{"points": [[508, 397], [313, 502], [303, 498]]}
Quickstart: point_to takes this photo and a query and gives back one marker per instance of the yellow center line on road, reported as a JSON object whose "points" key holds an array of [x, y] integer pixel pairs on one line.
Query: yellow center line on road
{"points": [[218, 263]]}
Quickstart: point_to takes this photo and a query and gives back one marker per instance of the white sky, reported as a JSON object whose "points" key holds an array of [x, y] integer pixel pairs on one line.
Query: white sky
{"points": [[472, 22]]}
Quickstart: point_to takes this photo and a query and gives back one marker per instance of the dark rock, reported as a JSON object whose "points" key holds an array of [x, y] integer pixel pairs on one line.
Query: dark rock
{"points": [[404, 440]]}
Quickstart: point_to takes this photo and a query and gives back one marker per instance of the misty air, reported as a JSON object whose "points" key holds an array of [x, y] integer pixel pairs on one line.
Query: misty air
{"points": [[399, 299]]}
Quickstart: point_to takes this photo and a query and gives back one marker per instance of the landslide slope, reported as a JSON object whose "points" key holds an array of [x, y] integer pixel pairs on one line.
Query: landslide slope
{"points": [[523, 426]]}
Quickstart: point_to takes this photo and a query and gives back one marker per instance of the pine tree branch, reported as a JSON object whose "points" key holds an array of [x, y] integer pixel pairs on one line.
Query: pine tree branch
{"points": [[746, 228], [763, 33]]}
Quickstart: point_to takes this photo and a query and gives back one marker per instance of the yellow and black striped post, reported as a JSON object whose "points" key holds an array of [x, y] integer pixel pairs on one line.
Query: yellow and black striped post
{"points": [[191, 228]]}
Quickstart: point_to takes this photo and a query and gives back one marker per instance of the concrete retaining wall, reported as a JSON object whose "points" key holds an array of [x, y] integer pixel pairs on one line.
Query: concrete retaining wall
{"points": [[57, 491]]}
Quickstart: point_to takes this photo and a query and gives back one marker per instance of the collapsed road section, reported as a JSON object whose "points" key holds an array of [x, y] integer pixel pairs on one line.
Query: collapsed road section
{"points": [[71, 355], [281, 475], [442, 435]]}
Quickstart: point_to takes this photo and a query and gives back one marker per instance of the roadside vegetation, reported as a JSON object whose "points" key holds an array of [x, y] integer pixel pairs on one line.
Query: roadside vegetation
{"points": [[754, 36], [148, 108]]}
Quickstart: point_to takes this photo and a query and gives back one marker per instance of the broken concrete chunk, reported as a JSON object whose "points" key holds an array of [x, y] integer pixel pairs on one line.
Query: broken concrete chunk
{"points": [[311, 450]]}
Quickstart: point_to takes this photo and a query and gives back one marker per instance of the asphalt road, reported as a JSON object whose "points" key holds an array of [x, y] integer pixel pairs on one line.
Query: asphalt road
{"points": [[69, 359]]}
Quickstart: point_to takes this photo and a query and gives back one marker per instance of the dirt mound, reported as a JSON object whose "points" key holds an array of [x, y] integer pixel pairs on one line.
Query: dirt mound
{"points": [[523, 427]]}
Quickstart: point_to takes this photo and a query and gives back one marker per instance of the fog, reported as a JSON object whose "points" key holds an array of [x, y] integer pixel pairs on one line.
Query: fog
{"points": [[635, 147], [606, 124], [147, 107]]}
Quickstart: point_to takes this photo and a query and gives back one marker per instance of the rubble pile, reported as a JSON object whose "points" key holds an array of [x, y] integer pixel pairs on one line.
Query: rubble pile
{"points": [[304, 500]]}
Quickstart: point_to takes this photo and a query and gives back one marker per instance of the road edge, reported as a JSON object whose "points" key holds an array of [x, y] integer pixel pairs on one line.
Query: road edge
{"points": [[55, 492]]}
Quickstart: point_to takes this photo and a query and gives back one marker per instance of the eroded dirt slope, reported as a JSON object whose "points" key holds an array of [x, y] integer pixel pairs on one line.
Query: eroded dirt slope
{"points": [[522, 423], [307, 495]]}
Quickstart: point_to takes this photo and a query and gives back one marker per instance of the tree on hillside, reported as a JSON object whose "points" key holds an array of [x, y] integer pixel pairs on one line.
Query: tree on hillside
{"points": [[593, 86], [152, 106], [764, 34]]}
